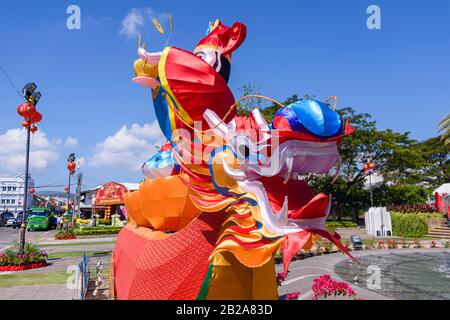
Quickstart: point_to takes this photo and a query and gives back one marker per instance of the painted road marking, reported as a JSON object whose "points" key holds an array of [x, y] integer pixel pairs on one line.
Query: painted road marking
{"points": [[300, 278]]}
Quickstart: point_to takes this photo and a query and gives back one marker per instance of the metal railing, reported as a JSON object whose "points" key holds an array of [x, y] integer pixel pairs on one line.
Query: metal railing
{"points": [[83, 277]]}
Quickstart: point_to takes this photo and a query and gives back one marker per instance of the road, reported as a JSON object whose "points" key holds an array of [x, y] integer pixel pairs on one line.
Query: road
{"points": [[9, 235]]}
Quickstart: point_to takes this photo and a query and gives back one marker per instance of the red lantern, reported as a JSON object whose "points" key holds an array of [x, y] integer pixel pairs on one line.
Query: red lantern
{"points": [[32, 190], [26, 110], [369, 166], [33, 128], [66, 189], [71, 166], [35, 117]]}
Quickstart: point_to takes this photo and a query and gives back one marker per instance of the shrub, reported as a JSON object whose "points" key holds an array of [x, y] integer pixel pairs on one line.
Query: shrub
{"points": [[392, 244], [90, 231], [369, 244], [405, 244], [32, 254], [348, 245], [65, 234], [340, 224], [328, 247], [415, 208], [417, 243], [409, 225]]}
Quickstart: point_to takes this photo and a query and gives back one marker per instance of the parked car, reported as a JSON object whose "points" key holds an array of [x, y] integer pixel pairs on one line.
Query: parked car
{"points": [[18, 221], [4, 217], [11, 222]]}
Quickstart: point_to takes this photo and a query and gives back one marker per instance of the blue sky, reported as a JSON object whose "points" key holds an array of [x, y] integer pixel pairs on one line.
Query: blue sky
{"points": [[399, 74]]}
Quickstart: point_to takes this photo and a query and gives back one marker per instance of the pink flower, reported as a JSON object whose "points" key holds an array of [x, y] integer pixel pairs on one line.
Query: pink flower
{"points": [[293, 295], [325, 287]]}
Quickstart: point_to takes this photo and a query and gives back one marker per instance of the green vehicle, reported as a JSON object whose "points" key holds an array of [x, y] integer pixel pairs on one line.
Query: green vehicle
{"points": [[41, 219]]}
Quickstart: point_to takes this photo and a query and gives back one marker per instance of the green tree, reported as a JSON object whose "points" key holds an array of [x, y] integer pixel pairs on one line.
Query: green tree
{"points": [[444, 127], [435, 163], [244, 107]]}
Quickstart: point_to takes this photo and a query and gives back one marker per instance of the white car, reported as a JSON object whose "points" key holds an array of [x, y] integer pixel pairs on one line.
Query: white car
{"points": [[11, 222]]}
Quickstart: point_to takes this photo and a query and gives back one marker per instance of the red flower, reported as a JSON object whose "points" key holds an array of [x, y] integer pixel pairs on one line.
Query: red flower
{"points": [[324, 287]]}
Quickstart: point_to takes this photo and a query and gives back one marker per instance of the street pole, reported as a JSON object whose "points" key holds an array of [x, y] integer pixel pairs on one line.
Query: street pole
{"points": [[370, 184], [78, 195], [23, 228], [68, 198]]}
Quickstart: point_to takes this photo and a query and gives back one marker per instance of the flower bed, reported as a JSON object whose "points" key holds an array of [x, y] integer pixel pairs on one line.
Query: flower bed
{"points": [[23, 267], [65, 235], [33, 257], [65, 238], [325, 287]]}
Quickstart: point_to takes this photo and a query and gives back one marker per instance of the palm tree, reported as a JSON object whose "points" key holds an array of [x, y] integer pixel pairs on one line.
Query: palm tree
{"points": [[444, 127]]}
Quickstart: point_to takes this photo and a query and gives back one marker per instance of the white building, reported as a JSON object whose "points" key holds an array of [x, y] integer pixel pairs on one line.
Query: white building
{"points": [[12, 193]]}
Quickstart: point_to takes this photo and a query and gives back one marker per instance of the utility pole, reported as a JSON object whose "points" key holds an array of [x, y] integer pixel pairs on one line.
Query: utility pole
{"points": [[78, 195], [369, 168], [31, 116], [23, 228], [71, 166]]}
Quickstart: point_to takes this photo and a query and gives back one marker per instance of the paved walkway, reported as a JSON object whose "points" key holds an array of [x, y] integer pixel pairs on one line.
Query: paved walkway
{"points": [[46, 292]]}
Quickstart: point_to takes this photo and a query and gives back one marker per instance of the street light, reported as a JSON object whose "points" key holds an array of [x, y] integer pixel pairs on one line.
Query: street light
{"points": [[368, 168], [31, 116], [71, 166]]}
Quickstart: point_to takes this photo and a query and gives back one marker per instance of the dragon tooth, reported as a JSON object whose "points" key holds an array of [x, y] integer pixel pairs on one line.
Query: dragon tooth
{"points": [[289, 164]]}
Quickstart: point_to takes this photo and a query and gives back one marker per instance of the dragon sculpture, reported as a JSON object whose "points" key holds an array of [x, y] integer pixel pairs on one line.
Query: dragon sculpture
{"points": [[224, 194]]}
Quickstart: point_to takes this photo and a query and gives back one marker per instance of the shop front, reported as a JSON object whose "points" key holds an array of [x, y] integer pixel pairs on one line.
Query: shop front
{"points": [[108, 201]]}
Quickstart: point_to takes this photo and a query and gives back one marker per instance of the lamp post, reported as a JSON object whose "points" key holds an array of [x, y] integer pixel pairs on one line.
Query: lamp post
{"points": [[368, 168], [71, 166], [31, 116]]}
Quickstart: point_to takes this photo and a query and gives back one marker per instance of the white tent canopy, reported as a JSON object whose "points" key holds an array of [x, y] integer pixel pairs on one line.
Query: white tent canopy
{"points": [[444, 189]]}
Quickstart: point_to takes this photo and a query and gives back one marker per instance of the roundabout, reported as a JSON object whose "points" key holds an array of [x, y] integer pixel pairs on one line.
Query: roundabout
{"points": [[404, 274]]}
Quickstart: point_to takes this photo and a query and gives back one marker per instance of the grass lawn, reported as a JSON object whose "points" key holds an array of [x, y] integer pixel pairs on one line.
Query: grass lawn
{"points": [[75, 254], [76, 244], [29, 279]]}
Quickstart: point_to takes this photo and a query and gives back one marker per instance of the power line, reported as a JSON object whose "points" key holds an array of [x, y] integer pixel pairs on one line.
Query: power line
{"points": [[10, 81]]}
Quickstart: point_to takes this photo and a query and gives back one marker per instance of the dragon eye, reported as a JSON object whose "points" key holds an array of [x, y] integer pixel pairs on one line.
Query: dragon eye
{"points": [[244, 150], [201, 55]]}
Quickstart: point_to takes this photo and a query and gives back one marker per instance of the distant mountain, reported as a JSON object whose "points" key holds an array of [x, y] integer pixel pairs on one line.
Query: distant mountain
{"points": [[51, 193]]}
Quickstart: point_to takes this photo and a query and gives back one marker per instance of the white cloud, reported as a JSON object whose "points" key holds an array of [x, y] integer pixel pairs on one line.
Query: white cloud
{"points": [[81, 162], [137, 18], [71, 142], [128, 148], [13, 148]]}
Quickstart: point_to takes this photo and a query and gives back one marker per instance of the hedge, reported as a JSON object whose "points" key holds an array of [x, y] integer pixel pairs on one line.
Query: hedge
{"points": [[90, 231], [410, 225], [340, 224]]}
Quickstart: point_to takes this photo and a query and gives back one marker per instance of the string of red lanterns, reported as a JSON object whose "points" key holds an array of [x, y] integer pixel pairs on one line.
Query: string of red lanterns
{"points": [[30, 115], [369, 166]]}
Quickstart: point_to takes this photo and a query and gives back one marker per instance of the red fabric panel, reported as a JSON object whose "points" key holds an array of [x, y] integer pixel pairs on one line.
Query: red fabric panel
{"points": [[172, 268], [197, 86], [293, 243]]}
